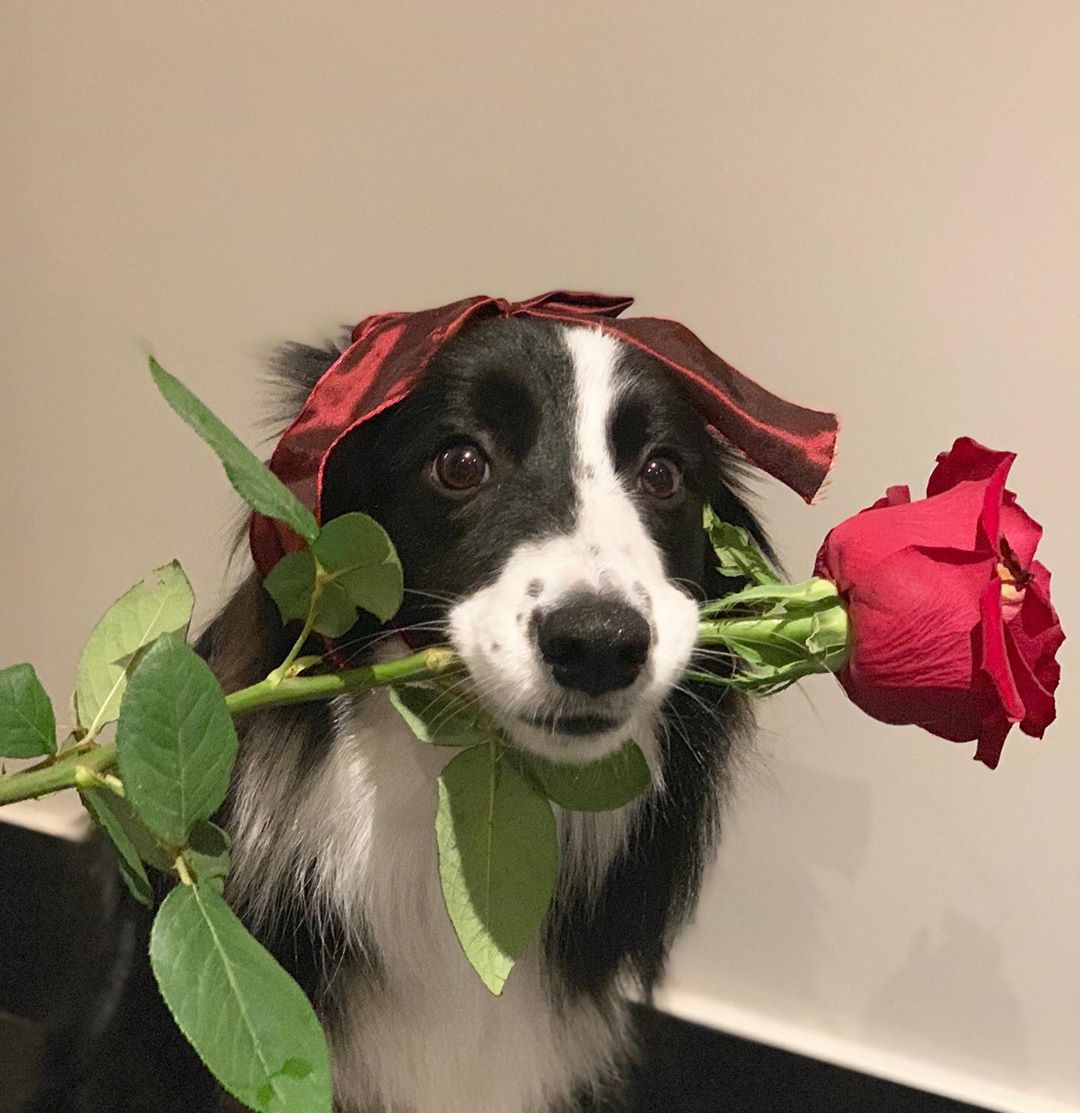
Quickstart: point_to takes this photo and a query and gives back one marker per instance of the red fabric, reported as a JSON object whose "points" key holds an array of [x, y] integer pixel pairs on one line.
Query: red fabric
{"points": [[951, 622], [390, 352]]}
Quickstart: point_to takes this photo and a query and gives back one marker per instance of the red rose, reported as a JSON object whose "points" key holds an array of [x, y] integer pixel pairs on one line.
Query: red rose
{"points": [[951, 623]]}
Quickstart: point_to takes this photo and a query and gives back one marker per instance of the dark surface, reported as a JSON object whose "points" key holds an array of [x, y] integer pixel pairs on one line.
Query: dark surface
{"points": [[690, 1069], [78, 1011], [82, 1008]]}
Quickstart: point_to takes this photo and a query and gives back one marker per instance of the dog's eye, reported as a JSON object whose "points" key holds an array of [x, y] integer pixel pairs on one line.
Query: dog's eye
{"points": [[660, 478], [461, 467]]}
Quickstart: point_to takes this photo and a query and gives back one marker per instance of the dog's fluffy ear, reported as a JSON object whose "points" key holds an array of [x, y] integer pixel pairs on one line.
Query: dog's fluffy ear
{"points": [[247, 639], [294, 371]]}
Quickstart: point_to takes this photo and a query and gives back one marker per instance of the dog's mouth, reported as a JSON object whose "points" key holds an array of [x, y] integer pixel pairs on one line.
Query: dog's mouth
{"points": [[573, 725]]}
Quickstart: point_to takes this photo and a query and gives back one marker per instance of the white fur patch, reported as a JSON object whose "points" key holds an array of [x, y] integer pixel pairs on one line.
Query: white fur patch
{"points": [[431, 1039], [609, 551]]}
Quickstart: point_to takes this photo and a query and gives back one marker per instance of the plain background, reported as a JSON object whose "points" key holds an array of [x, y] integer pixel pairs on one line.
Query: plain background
{"points": [[871, 207]]}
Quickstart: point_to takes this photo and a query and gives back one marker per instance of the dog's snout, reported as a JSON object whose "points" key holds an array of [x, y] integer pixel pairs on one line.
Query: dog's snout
{"points": [[594, 644]]}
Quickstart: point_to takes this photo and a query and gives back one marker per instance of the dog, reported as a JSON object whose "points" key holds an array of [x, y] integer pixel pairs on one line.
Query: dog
{"points": [[544, 486]]}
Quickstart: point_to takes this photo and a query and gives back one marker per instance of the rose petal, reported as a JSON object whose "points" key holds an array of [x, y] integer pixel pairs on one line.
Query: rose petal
{"points": [[1039, 708], [956, 714], [1034, 637], [995, 659], [894, 496], [966, 460], [1037, 629], [912, 620], [993, 496], [948, 521], [970, 462], [1020, 530], [991, 740]]}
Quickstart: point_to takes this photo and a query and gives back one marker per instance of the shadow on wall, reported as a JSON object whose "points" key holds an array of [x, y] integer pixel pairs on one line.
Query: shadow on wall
{"points": [[809, 832], [804, 829], [948, 976]]}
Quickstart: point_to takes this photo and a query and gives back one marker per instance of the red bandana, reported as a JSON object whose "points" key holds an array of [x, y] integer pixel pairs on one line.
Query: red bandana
{"points": [[390, 352]]}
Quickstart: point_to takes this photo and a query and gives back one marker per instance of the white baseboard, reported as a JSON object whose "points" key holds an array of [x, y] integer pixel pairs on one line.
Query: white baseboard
{"points": [[855, 1056]]}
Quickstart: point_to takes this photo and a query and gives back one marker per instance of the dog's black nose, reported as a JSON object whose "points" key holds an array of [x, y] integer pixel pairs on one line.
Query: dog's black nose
{"points": [[593, 644]]}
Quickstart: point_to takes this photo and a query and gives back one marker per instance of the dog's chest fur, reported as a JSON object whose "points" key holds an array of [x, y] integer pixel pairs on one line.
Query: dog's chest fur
{"points": [[423, 1034]]}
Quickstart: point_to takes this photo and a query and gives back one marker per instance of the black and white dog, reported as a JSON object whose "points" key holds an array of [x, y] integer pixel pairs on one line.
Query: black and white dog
{"points": [[544, 487]]}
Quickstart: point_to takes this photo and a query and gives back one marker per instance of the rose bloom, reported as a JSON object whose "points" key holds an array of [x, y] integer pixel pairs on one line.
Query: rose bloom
{"points": [[951, 623]]}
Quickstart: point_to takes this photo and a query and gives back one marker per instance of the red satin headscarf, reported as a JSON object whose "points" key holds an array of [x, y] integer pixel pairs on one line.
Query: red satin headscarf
{"points": [[390, 352]]}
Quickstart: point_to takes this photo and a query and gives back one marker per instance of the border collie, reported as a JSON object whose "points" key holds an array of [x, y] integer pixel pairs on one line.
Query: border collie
{"points": [[544, 486]]}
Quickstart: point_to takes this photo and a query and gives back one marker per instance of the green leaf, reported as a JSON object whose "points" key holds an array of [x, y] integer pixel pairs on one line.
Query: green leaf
{"points": [[146, 846], [175, 741], [161, 604], [829, 640], [68, 741], [336, 614], [290, 584], [207, 854], [252, 479], [133, 843], [434, 715], [765, 653], [356, 552], [596, 786], [759, 684], [359, 568], [498, 859], [27, 722], [736, 552], [249, 1021]]}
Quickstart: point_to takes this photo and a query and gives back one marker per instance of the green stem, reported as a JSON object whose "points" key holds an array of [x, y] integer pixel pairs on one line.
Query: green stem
{"points": [[90, 778], [82, 747], [41, 780], [784, 632], [282, 670], [806, 626], [812, 635], [304, 689], [809, 593]]}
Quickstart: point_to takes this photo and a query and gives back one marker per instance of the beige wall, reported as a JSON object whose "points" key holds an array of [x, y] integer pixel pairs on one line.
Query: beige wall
{"points": [[870, 206]]}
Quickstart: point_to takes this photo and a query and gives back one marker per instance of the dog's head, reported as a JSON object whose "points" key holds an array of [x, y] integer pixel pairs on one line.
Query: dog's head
{"points": [[544, 487]]}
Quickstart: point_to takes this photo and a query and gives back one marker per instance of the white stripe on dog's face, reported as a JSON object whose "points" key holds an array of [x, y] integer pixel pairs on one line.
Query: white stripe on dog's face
{"points": [[607, 555]]}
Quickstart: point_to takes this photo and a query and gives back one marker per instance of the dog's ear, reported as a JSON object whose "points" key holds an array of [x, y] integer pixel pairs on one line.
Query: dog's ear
{"points": [[246, 639], [727, 491], [294, 370]]}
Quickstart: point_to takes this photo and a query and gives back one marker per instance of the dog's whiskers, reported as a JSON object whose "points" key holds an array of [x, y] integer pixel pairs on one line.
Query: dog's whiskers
{"points": [[437, 626], [438, 596]]}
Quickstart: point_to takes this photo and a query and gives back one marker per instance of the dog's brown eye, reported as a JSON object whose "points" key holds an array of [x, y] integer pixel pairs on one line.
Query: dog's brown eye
{"points": [[660, 478], [460, 467]]}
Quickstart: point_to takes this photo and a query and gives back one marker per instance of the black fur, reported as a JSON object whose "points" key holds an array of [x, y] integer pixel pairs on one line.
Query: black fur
{"points": [[508, 385]]}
